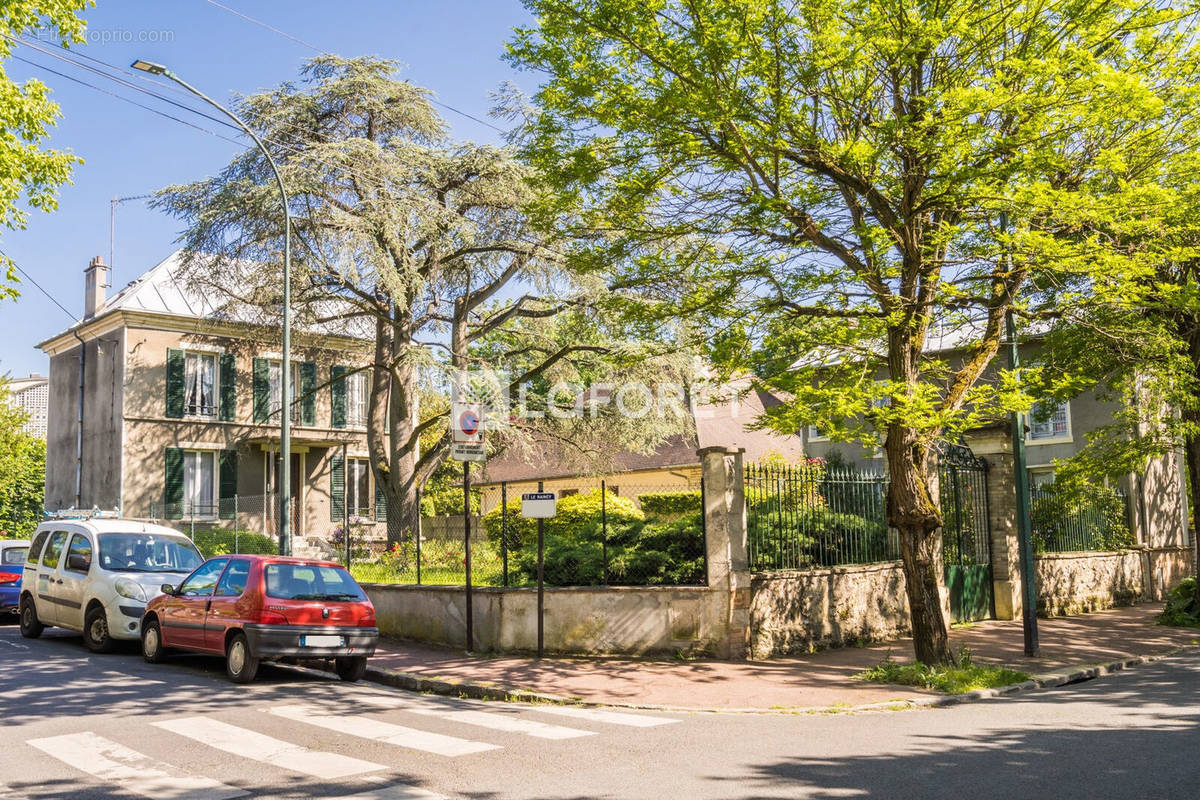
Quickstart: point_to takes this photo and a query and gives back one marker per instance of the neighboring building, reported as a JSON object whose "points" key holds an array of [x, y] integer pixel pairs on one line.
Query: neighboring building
{"points": [[32, 395], [180, 413], [673, 466]]}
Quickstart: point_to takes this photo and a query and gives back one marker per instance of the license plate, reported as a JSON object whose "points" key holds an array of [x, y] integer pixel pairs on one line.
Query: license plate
{"points": [[322, 641]]}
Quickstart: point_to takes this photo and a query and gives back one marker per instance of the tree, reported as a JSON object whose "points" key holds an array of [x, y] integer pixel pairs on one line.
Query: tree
{"points": [[832, 176], [421, 244], [22, 470], [29, 174]]}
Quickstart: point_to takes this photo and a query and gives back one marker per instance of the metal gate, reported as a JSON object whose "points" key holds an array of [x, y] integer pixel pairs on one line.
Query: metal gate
{"points": [[966, 533]]}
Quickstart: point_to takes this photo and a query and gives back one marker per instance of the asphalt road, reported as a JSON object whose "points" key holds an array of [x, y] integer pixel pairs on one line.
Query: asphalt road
{"points": [[77, 725]]}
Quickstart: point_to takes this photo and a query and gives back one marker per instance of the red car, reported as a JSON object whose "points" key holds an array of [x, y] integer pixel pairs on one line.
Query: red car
{"points": [[255, 608]]}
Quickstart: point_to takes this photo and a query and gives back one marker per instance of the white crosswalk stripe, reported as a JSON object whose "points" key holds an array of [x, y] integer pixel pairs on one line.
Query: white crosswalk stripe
{"points": [[504, 722], [135, 772], [607, 717], [259, 747], [399, 735]]}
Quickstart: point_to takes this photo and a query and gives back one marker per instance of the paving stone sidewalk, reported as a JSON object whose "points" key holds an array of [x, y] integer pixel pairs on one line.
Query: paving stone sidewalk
{"points": [[817, 680]]}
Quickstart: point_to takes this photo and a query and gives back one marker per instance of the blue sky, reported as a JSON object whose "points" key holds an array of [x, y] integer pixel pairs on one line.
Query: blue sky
{"points": [[453, 47]]}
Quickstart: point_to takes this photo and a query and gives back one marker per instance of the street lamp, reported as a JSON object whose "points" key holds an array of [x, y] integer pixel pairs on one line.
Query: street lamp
{"points": [[285, 391]]}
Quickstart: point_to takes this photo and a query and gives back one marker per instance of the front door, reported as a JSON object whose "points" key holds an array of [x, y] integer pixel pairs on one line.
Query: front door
{"points": [[273, 469], [227, 606], [73, 572], [183, 615]]}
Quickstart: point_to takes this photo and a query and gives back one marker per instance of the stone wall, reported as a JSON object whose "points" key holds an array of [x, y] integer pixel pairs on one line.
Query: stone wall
{"points": [[1076, 583], [1166, 567], [578, 620], [796, 612]]}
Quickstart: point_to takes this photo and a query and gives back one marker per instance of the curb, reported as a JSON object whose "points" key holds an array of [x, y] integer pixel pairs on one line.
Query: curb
{"points": [[488, 691]]}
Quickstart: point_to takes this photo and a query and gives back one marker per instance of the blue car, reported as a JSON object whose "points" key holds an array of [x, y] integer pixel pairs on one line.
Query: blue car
{"points": [[12, 561]]}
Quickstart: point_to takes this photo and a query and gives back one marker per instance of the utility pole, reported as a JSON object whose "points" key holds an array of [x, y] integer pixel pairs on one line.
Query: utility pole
{"points": [[1021, 483]]}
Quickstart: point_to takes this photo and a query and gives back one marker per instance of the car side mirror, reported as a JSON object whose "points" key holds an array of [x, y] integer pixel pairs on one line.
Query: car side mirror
{"points": [[77, 562], [167, 588]]}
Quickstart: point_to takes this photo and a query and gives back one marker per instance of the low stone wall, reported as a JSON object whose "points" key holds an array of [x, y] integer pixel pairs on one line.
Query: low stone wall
{"points": [[1076, 583], [587, 620], [797, 612], [1166, 567]]}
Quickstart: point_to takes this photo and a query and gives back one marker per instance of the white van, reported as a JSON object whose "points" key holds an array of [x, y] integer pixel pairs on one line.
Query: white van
{"points": [[95, 575]]}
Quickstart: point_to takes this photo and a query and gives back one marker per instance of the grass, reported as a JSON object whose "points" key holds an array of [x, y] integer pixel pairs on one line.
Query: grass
{"points": [[957, 678], [433, 576]]}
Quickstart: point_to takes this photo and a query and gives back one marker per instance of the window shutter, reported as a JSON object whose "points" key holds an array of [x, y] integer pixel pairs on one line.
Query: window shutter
{"points": [[173, 485], [175, 380], [308, 393], [381, 509], [228, 382], [337, 389], [228, 482], [337, 488], [262, 390]]}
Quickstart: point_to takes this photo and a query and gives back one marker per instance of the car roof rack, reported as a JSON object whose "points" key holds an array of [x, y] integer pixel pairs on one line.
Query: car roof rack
{"points": [[82, 513]]}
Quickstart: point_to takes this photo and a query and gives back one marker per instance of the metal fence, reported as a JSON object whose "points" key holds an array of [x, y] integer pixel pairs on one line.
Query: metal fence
{"points": [[804, 516], [1066, 521]]}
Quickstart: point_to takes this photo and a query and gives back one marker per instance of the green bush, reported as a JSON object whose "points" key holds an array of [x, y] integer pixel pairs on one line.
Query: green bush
{"points": [[805, 536], [219, 542], [436, 502], [668, 503], [577, 517], [1078, 516], [1183, 606]]}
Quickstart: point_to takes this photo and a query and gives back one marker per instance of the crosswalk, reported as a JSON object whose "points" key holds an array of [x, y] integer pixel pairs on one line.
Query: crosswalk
{"points": [[389, 723]]}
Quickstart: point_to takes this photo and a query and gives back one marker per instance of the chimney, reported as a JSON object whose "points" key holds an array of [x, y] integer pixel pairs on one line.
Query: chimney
{"points": [[95, 284]]}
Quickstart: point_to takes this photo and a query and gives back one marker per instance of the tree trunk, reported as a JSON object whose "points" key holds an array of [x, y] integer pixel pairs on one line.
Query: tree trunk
{"points": [[913, 512]]}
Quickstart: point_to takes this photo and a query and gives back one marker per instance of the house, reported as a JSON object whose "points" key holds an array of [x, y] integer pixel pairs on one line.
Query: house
{"points": [[179, 412], [673, 466], [32, 396]]}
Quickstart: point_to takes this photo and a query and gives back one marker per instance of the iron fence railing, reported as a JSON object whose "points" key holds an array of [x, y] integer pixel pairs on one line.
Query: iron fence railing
{"points": [[1066, 521]]}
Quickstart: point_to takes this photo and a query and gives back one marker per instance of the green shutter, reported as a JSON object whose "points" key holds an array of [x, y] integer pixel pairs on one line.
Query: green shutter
{"points": [[228, 387], [308, 393], [380, 504], [173, 486], [175, 381], [337, 488], [337, 389], [262, 390], [228, 482]]}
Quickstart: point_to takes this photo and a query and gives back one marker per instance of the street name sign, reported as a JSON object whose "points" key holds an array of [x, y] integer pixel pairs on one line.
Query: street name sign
{"points": [[538, 505]]}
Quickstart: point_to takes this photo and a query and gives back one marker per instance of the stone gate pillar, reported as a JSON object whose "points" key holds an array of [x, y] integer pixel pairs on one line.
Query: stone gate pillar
{"points": [[995, 446], [726, 547]]}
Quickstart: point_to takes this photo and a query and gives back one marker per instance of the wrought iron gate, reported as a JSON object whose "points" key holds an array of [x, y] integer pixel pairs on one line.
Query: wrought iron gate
{"points": [[966, 533]]}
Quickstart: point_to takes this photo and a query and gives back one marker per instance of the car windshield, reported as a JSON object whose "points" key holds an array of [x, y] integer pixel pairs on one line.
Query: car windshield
{"points": [[311, 582], [13, 556], [147, 552]]}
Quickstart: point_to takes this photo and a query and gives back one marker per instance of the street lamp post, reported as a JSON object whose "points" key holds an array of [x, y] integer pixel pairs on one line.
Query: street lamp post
{"points": [[285, 389]]}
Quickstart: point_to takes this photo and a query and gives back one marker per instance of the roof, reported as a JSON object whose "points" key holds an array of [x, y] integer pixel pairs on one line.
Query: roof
{"points": [[100, 525], [715, 424], [162, 291]]}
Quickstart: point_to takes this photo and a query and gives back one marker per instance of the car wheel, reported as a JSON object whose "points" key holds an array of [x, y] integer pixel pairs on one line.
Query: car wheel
{"points": [[95, 631], [31, 627], [240, 665], [351, 669], [152, 647]]}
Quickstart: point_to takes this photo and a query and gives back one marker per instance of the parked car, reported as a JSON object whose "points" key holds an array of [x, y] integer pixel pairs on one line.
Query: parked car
{"points": [[12, 557], [260, 608], [95, 575]]}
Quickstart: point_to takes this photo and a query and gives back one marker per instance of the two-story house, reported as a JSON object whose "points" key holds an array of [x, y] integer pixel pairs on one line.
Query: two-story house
{"points": [[165, 405]]}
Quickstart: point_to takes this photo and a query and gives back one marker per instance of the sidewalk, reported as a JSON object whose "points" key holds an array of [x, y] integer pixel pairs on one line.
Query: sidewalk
{"points": [[817, 680]]}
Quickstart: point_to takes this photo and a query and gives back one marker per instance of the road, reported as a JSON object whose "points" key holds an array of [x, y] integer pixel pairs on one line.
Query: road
{"points": [[77, 725]]}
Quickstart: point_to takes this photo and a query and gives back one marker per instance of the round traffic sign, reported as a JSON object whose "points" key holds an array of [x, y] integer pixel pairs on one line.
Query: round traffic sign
{"points": [[468, 423]]}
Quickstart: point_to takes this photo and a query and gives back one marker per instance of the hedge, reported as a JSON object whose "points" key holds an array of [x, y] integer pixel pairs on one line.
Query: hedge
{"points": [[219, 542], [577, 517], [670, 502]]}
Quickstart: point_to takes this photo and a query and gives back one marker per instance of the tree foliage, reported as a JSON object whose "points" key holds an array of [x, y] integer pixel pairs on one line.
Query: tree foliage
{"points": [[22, 471], [30, 174], [828, 182]]}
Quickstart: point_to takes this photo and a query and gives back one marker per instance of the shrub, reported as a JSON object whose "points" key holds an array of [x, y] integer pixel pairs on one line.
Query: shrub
{"points": [[1078, 516], [1183, 605], [669, 503], [446, 500], [577, 517], [219, 542]]}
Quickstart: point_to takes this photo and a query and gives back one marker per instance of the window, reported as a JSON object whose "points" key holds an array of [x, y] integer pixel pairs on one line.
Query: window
{"points": [[13, 556], [80, 546], [35, 549], [200, 385], [54, 549], [1049, 420], [147, 552], [815, 434], [202, 582], [308, 582], [1039, 478], [356, 400], [233, 582], [199, 483], [358, 486], [275, 397]]}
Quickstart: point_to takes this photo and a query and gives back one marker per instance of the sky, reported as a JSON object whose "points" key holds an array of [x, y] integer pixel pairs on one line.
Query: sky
{"points": [[453, 47]]}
